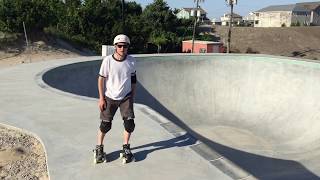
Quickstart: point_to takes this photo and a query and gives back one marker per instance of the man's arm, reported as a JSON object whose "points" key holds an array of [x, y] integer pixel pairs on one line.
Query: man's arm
{"points": [[101, 83]]}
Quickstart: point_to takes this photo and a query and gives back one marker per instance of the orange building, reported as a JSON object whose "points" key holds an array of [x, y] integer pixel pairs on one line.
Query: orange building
{"points": [[202, 46]]}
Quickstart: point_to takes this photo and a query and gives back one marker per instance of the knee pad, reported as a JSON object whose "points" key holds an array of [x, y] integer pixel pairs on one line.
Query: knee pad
{"points": [[129, 125], [105, 126]]}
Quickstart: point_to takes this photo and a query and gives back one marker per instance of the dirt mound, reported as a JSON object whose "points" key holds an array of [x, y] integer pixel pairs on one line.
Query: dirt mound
{"points": [[299, 42], [21, 156], [42, 47]]}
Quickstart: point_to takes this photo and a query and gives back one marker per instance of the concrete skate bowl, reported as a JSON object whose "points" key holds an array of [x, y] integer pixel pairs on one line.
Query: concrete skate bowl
{"points": [[260, 112]]}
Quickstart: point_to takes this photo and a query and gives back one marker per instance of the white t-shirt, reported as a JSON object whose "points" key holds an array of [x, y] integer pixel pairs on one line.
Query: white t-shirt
{"points": [[118, 76]]}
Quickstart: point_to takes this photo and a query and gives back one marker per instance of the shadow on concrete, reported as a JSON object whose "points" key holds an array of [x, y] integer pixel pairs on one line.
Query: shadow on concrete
{"points": [[113, 156], [181, 141], [140, 155], [84, 82], [259, 166]]}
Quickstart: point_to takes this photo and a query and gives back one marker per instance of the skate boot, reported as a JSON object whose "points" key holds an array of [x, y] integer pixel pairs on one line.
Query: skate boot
{"points": [[99, 155], [126, 154]]}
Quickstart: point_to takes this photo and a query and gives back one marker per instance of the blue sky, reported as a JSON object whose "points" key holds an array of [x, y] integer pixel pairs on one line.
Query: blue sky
{"points": [[216, 8]]}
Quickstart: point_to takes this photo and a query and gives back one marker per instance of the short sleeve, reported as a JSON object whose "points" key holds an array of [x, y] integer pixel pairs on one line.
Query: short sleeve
{"points": [[133, 69], [104, 68]]}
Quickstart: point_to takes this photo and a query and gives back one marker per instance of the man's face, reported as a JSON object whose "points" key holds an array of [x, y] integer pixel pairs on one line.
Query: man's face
{"points": [[122, 48]]}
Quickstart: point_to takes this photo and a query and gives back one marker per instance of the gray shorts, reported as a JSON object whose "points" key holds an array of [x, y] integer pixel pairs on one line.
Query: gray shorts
{"points": [[126, 108]]}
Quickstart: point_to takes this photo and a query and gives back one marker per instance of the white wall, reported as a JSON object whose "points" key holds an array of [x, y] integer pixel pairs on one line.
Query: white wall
{"points": [[183, 14], [274, 19]]}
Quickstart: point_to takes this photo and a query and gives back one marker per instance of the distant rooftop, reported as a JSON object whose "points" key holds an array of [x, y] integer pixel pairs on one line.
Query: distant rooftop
{"points": [[306, 6], [289, 7], [189, 10], [234, 15]]}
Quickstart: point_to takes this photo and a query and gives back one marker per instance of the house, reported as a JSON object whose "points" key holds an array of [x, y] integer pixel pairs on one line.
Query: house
{"points": [[274, 16], [288, 15], [202, 47], [225, 19], [249, 19], [215, 21], [307, 14], [187, 13]]}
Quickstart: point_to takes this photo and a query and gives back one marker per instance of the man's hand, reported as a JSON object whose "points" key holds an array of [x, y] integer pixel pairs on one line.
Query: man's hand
{"points": [[102, 104]]}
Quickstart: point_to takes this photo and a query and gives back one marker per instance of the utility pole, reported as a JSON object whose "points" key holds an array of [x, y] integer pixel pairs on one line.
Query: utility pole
{"points": [[26, 37], [195, 14], [230, 3], [122, 16]]}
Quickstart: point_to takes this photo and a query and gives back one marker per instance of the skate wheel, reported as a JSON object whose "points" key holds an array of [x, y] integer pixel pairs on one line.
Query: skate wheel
{"points": [[124, 161], [94, 158], [105, 157]]}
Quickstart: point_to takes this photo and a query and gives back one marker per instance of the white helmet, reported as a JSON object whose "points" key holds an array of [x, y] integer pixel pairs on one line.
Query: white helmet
{"points": [[121, 38]]}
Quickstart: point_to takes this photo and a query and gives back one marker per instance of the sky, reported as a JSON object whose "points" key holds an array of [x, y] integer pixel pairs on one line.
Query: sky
{"points": [[216, 8]]}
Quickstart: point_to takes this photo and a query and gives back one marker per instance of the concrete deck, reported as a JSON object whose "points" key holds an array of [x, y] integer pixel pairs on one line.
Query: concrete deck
{"points": [[198, 117], [67, 125]]}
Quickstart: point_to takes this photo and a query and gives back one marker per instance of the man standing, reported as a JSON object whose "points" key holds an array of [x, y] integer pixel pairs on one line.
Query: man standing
{"points": [[116, 85]]}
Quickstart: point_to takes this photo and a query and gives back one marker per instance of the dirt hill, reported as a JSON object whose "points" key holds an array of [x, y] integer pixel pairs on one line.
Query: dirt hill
{"points": [[288, 41], [41, 47]]}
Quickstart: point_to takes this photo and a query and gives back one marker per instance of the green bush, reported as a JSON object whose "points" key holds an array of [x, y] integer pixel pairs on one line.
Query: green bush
{"points": [[6, 37]]}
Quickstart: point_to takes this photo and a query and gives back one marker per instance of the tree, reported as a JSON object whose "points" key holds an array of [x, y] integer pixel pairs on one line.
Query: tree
{"points": [[159, 16], [195, 23], [159, 24], [36, 14], [230, 3], [159, 39]]}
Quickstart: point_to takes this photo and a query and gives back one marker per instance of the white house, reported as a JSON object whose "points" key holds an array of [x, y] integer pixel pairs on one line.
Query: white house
{"points": [[288, 15], [225, 19], [306, 13], [187, 13], [249, 19], [215, 21]]}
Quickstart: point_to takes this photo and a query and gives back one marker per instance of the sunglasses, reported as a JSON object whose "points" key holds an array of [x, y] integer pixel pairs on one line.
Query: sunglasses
{"points": [[122, 46]]}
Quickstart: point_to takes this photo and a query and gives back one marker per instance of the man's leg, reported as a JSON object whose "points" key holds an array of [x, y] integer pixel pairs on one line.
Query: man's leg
{"points": [[100, 138], [126, 110], [106, 117], [105, 126], [128, 129], [126, 137]]}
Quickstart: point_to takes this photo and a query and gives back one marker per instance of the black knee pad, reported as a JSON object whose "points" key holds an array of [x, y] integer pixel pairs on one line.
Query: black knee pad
{"points": [[105, 126], [129, 125]]}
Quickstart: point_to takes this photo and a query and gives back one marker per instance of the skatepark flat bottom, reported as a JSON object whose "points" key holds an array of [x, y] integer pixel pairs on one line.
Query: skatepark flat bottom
{"points": [[238, 116]]}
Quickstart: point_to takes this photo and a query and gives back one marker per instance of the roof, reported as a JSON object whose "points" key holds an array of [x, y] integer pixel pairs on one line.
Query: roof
{"points": [[189, 10], [289, 7], [234, 15], [307, 6], [203, 42]]}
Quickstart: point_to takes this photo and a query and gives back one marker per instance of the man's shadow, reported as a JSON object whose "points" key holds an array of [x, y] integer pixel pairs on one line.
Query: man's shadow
{"points": [[141, 152]]}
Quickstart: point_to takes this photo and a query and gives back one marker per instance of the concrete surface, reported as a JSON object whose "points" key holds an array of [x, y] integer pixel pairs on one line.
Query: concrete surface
{"points": [[255, 116], [198, 117], [66, 124]]}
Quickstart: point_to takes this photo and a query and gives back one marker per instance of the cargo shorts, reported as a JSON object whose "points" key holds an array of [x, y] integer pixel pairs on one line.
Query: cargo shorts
{"points": [[126, 108]]}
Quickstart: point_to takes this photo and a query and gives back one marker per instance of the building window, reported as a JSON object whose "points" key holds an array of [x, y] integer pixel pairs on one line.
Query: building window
{"points": [[256, 22]]}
